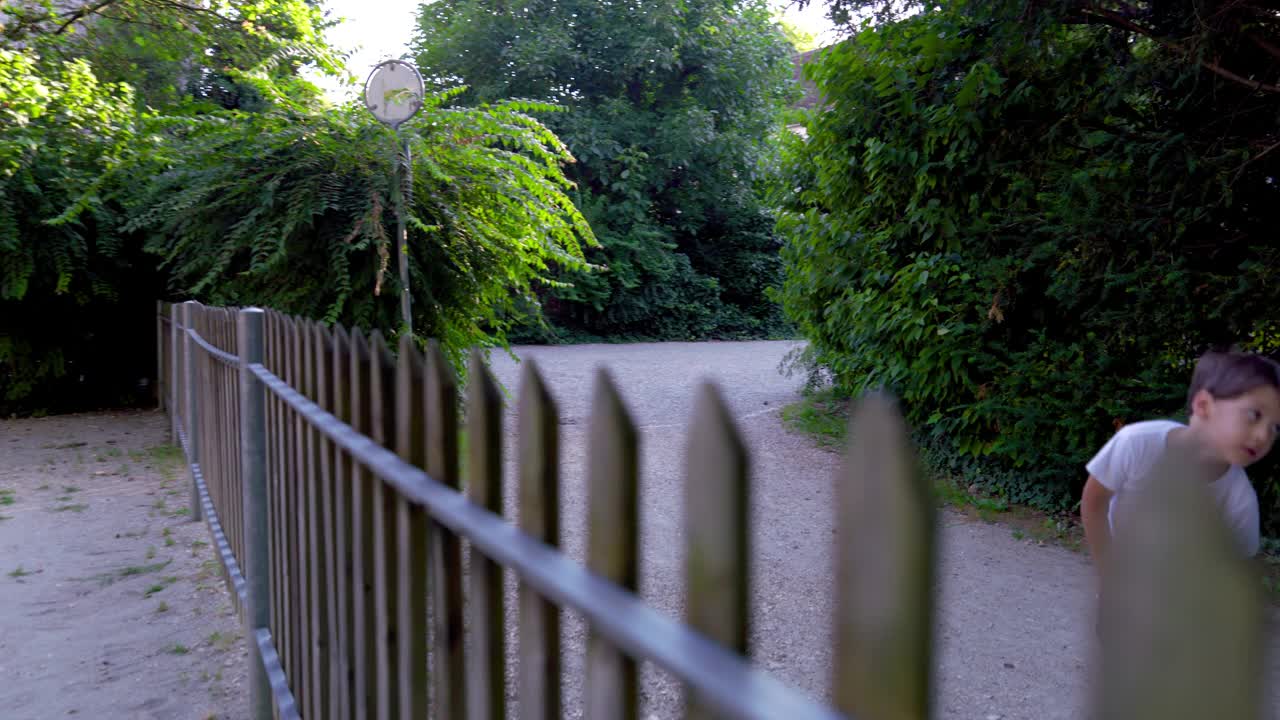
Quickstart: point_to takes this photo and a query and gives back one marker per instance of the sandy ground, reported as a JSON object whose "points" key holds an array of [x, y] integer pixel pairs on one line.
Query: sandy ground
{"points": [[112, 603]]}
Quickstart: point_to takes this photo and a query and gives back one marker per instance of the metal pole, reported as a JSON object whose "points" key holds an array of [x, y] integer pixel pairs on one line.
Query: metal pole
{"points": [[405, 165], [193, 406], [253, 470]]}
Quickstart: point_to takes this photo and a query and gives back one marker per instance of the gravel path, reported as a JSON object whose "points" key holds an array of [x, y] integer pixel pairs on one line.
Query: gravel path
{"points": [[1015, 633]]}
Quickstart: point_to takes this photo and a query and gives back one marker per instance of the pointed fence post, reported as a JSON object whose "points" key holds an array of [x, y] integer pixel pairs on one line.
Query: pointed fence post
{"points": [[193, 415], [253, 469], [160, 386], [176, 381]]}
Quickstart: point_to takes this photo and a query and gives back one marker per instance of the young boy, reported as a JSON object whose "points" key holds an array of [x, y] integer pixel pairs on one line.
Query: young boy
{"points": [[1234, 404]]}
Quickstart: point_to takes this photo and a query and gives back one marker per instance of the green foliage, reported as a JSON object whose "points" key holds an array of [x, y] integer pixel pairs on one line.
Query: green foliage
{"points": [[77, 292], [295, 210], [1027, 221], [172, 53], [63, 130], [63, 278], [670, 105], [243, 188]]}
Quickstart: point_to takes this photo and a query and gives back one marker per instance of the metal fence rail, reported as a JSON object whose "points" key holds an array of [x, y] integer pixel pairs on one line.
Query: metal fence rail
{"points": [[328, 472]]}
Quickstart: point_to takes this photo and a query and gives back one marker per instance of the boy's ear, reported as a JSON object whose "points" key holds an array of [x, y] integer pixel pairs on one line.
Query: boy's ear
{"points": [[1202, 404]]}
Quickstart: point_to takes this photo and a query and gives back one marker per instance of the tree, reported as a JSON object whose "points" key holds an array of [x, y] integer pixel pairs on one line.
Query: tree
{"points": [[283, 204], [293, 209], [76, 81], [1028, 219], [172, 52], [670, 105], [64, 130]]}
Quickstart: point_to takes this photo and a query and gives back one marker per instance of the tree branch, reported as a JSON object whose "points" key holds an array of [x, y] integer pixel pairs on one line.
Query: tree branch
{"points": [[1254, 159], [1116, 20], [76, 16], [1268, 47], [194, 9]]}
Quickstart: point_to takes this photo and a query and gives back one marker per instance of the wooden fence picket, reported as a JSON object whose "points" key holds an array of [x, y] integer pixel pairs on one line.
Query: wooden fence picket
{"points": [[325, 579], [486, 673], [612, 691], [717, 503], [364, 657], [884, 571], [296, 541], [539, 518], [412, 534], [343, 556], [1182, 621], [386, 592], [448, 667]]}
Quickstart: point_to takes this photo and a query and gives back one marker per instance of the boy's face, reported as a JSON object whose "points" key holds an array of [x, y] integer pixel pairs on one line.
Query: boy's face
{"points": [[1243, 428]]}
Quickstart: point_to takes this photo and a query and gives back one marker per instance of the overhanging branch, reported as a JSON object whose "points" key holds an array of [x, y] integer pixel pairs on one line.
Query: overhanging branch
{"points": [[1116, 20]]}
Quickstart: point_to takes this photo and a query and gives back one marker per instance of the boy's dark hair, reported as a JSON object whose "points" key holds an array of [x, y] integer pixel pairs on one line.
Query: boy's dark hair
{"points": [[1230, 374]]}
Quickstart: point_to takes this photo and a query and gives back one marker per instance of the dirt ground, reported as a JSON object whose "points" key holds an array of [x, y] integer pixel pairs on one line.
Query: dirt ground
{"points": [[112, 603]]}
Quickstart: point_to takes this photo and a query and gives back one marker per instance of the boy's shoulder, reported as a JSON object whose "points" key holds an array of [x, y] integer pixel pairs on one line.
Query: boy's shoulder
{"points": [[1130, 452], [1147, 430]]}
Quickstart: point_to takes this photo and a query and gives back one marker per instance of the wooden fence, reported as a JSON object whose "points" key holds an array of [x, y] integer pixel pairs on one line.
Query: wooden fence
{"points": [[328, 473]]}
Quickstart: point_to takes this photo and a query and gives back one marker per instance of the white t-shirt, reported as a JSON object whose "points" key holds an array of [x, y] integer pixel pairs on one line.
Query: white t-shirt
{"points": [[1128, 457]]}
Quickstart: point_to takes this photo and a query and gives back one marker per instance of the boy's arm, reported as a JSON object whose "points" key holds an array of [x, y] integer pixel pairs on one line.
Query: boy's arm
{"points": [[1097, 529]]}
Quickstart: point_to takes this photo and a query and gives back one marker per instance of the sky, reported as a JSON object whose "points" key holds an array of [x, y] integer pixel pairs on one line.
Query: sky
{"points": [[377, 30]]}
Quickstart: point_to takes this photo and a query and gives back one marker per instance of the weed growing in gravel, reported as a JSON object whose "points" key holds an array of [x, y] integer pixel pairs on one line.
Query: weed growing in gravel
{"points": [[821, 415], [209, 569], [1018, 534], [180, 512], [158, 504], [221, 641], [179, 649], [165, 453], [168, 537], [153, 590], [70, 489], [129, 572], [19, 572], [7, 496], [162, 607], [132, 570], [78, 507]]}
